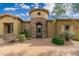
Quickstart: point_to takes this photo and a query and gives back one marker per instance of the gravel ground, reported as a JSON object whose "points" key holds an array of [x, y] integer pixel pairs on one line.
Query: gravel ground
{"points": [[39, 47]]}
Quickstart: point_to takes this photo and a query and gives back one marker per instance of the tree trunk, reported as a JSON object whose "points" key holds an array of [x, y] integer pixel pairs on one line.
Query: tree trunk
{"points": [[66, 38]]}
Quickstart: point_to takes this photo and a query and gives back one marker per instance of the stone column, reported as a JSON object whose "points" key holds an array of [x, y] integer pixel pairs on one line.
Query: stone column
{"points": [[33, 27]]}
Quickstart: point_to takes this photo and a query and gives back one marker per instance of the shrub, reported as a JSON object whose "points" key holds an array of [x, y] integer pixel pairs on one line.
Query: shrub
{"points": [[68, 35], [25, 33], [58, 40], [22, 38]]}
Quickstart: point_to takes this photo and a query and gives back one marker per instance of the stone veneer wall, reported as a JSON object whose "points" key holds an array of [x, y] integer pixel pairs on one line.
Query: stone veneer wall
{"points": [[34, 21]]}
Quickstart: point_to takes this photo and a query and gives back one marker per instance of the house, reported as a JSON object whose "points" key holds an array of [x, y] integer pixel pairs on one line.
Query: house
{"points": [[39, 26]]}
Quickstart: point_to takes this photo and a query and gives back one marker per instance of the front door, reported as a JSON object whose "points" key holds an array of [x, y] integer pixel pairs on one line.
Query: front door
{"points": [[39, 30]]}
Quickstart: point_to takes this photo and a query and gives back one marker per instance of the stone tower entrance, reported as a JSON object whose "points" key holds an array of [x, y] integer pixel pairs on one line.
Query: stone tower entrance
{"points": [[39, 30], [39, 23]]}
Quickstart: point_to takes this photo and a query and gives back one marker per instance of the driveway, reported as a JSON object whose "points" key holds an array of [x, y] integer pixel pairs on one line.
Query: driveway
{"points": [[39, 47]]}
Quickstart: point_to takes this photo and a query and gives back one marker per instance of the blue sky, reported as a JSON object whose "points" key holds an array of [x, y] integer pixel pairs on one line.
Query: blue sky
{"points": [[22, 9]]}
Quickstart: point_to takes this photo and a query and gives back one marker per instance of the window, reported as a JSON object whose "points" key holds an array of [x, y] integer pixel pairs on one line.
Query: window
{"points": [[39, 13], [67, 27], [9, 28]]}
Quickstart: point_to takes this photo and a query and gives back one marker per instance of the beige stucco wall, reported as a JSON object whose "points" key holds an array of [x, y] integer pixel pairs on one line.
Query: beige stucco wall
{"points": [[74, 25], [57, 27], [19, 26], [43, 14], [16, 24], [51, 28], [26, 25]]}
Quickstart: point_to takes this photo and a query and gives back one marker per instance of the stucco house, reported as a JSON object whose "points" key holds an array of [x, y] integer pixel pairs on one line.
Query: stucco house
{"points": [[39, 26]]}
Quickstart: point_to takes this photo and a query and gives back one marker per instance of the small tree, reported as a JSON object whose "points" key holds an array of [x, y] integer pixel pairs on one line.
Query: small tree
{"points": [[67, 35]]}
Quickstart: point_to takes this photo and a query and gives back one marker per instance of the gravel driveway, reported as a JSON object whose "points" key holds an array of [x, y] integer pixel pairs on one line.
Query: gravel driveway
{"points": [[39, 47]]}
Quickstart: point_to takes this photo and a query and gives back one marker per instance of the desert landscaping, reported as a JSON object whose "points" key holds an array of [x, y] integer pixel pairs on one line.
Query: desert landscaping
{"points": [[39, 47], [30, 29]]}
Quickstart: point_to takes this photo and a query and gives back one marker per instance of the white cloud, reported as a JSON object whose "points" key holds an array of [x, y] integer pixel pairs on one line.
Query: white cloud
{"points": [[24, 6], [16, 4], [75, 15], [32, 5], [10, 9], [49, 6], [36, 5], [27, 14], [18, 15], [22, 14]]}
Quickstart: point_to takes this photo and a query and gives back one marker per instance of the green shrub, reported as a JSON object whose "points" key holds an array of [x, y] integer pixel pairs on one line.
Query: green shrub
{"points": [[68, 35], [22, 37], [25, 33], [58, 40]]}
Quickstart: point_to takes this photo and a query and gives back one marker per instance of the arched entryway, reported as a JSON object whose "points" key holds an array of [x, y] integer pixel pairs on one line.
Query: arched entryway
{"points": [[39, 30]]}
